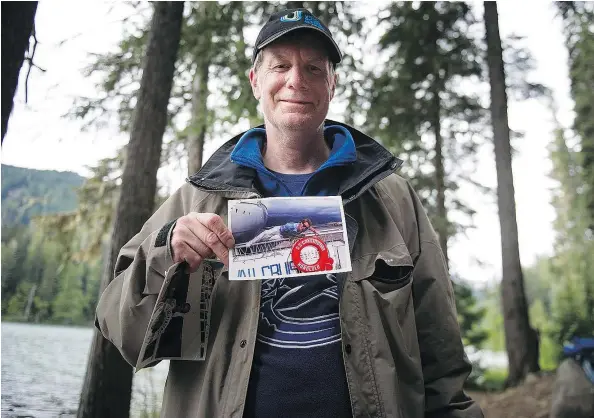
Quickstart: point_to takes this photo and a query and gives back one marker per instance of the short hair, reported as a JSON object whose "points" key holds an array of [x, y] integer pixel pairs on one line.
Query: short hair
{"points": [[258, 61], [306, 220]]}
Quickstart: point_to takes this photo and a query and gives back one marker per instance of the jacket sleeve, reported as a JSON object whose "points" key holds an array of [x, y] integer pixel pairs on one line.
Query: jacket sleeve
{"points": [[445, 364], [125, 306]]}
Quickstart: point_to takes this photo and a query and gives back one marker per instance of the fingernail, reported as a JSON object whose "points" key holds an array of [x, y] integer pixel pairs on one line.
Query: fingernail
{"points": [[230, 243]]}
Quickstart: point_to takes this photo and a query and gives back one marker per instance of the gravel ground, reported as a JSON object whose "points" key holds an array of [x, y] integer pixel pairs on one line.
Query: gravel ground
{"points": [[532, 399]]}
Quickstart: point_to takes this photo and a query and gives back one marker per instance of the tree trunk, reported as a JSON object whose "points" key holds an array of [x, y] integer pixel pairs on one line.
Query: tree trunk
{"points": [[29, 303], [520, 339], [17, 26], [195, 141], [442, 222], [107, 387]]}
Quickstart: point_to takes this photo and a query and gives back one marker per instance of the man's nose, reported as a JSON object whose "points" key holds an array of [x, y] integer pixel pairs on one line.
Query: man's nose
{"points": [[297, 78]]}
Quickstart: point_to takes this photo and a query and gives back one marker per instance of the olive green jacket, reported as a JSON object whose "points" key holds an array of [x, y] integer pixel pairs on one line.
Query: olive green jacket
{"points": [[402, 348]]}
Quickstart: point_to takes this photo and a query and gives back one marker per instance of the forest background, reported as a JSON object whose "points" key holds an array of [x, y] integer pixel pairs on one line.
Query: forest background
{"points": [[415, 77]]}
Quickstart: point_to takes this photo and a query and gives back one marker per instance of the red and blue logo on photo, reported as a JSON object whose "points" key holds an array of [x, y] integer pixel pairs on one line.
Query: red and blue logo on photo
{"points": [[310, 255]]}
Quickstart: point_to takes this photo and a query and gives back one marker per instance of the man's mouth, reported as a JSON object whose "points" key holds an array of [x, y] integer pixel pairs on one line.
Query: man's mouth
{"points": [[301, 102]]}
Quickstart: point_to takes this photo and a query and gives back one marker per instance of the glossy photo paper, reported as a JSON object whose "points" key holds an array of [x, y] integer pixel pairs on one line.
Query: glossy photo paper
{"points": [[286, 237]]}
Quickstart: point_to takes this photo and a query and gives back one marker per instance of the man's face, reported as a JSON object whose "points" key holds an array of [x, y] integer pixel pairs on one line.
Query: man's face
{"points": [[303, 226], [294, 84]]}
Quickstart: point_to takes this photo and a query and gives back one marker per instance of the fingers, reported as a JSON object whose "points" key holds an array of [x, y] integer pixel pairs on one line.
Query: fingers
{"points": [[189, 237], [215, 224], [215, 235], [197, 236], [185, 253]]}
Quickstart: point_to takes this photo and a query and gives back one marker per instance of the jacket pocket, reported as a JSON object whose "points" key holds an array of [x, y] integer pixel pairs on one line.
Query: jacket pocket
{"points": [[386, 270], [385, 284], [388, 278]]}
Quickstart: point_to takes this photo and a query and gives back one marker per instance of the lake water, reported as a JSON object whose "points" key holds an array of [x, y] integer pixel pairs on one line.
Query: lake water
{"points": [[43, 367]]}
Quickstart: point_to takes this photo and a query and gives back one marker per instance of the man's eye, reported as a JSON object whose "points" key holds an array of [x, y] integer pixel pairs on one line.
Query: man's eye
{"points": [[281, 66], [314, 69]]}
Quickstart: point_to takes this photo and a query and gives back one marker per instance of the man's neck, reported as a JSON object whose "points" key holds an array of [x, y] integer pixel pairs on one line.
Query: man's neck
{"points": [[295, 152]]}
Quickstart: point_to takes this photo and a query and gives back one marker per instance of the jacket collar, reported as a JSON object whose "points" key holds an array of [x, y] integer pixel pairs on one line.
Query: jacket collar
{"points": [[374, 162]]}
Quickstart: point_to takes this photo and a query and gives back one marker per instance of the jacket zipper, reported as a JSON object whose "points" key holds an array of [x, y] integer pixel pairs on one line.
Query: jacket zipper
{"points": [[250, 193], [385, 173], [344, 361], [251, 358], [253, 193]]}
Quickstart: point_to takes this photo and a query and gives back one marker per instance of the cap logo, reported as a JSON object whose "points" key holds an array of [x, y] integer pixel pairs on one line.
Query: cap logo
{"points": [[310, 20], [292, 17]]}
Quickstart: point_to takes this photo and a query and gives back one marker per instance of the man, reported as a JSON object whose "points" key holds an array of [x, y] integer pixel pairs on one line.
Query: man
{"points": [[288, 230], [381, 341]]}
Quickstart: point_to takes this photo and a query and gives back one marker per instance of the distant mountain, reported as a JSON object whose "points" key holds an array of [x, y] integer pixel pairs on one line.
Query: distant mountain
{"points": [[27, 192]]}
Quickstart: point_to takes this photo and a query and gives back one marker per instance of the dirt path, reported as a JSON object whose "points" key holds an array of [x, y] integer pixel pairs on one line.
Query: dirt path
{"points": [[530, 400]]}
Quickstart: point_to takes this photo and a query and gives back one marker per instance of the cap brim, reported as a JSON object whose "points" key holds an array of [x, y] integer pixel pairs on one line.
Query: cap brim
{"points": [[336, 55]]}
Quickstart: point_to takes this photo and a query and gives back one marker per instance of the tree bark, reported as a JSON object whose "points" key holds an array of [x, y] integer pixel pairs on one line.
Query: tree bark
{"points": [[107, 388], [442, 222], [521, 340], [17, 26], [195, 141]]}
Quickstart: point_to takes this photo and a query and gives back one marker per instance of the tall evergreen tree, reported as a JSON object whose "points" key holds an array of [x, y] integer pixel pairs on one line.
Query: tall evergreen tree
{"points": [[573, 260], [108, 382], [13, 267], [214, 47], [577, 18], [520, 339], [211, 91], [417, 107]]}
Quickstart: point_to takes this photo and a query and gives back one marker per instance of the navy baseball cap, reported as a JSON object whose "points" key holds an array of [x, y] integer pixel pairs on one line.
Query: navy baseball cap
{"points": [[283, 22]]}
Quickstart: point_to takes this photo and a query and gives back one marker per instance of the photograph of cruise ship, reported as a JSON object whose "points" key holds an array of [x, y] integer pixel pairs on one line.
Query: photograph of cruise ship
{"points": [[269, 233]]}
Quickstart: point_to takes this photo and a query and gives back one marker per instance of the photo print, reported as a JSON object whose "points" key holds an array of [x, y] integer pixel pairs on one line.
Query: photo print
{"points": [[287, 237], [180, 323]]}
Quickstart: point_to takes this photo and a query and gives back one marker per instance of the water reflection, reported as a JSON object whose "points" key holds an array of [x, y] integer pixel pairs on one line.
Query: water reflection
{"points": [[43, 368]]}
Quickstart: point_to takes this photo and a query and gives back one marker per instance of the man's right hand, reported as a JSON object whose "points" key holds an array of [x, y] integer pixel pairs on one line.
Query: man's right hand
{"points": [[197, 236]]}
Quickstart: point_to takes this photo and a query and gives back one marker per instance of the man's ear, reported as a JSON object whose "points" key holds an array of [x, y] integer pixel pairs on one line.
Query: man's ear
{"points": [[333, 86], [254, 84]]}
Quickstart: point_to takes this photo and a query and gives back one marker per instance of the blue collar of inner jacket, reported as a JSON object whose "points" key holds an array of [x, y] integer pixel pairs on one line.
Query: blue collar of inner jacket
{"points": [[248, 152]]}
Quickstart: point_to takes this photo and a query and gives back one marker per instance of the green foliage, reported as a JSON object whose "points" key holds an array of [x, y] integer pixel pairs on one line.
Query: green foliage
{"points": [[470, 315], [27, 193], [70, 301], [493, 319], [417, 107], [48, 288], [212, 37], [493, 380], [536, 276], [214, 57], [559, 288], [573, 262], [539, 280], [14, 255], [578, 18], [52, 264], [15, 307], [572, 154]]}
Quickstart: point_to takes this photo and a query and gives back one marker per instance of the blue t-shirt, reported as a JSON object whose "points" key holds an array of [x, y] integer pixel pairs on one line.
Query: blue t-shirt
{"points": [[289, 230], [298, 368]]}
